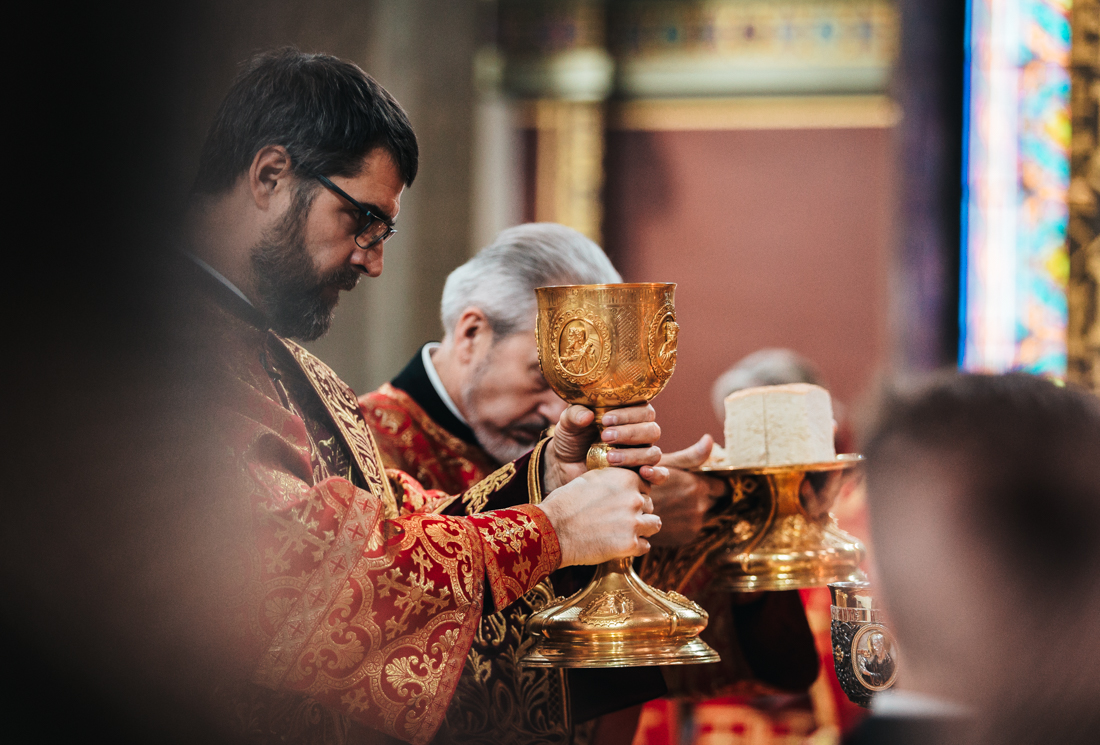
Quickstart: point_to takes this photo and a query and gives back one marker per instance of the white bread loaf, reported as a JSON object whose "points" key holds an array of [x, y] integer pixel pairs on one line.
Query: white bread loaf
{"points": [[779, 425]]}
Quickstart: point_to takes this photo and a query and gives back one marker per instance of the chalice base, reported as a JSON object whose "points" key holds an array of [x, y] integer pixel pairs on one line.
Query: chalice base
{"points": [[619, 621], [794, 548], [813, 556]]}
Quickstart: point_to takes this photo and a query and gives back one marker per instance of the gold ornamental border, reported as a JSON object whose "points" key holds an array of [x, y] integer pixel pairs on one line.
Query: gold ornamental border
{"points": [[604, 357], [655, 338]]}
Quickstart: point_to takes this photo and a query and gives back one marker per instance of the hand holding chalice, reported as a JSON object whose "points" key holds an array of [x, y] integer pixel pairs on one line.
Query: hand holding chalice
{"points": [[607, 347]]}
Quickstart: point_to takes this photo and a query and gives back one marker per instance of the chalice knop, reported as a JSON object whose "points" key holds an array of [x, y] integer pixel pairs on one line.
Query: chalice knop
{"points": [[606, 347]]}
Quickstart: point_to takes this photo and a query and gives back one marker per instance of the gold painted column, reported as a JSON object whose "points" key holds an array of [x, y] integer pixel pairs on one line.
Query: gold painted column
{"points": [[555, 58], [569, 148], [1083, 293]]}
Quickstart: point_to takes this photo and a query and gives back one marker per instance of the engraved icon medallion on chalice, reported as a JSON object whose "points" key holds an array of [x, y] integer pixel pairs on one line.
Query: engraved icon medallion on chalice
{"points": [[864, 650]]}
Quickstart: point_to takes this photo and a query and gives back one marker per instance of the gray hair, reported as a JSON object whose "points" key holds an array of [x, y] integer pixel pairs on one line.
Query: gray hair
{"points": [[501, 279], [763, 367]]}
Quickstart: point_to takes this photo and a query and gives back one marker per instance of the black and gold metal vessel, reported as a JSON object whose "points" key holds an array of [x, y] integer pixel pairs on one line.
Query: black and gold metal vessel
{"points": [[864, 650]]}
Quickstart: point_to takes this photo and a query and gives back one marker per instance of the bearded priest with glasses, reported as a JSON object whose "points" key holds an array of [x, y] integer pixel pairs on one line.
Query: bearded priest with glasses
{"points": [[357, 590]]}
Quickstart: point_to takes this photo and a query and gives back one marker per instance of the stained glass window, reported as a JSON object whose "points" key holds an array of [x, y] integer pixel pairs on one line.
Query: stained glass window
{"points": [[1016, 173]]}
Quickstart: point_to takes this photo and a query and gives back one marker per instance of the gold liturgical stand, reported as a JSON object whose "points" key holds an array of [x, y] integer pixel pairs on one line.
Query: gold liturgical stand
{"points": [[606, 347], [789, 541]]}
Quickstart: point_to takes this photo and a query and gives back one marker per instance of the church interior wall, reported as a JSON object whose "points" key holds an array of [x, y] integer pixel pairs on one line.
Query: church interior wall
{"points": [[775, 238]]}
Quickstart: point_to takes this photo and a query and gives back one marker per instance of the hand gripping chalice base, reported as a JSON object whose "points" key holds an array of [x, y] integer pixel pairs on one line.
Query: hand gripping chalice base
{"points": [[606, 347]]}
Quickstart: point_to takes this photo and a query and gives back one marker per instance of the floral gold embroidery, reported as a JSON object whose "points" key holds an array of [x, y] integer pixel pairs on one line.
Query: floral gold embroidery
{"points": [[477, 496], [412, 597], [344, 410]]}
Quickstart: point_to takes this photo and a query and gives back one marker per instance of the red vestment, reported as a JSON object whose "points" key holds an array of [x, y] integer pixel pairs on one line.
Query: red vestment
{"points": [[354, 593], [496, 700]]}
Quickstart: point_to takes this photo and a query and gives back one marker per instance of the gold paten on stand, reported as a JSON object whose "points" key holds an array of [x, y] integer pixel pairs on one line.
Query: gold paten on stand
{"points": [[606, 347], [798, 544]]}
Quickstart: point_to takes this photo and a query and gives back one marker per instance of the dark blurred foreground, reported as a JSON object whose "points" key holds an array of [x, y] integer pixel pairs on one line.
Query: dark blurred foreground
{"points": [[103, 447]]}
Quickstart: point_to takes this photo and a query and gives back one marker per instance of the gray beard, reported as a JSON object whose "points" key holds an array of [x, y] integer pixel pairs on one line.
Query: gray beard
{"points": [[502, 448], [495, 442]]}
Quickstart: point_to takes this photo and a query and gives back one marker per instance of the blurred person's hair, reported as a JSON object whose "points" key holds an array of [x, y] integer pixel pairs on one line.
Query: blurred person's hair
{"points": [[326, 112], [501, 279], [1022, 455], [763, 367], [1032, 449]]}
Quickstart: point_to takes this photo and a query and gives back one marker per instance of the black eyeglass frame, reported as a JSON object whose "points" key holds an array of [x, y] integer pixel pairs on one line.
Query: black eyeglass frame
{"points": [[363, 210]]}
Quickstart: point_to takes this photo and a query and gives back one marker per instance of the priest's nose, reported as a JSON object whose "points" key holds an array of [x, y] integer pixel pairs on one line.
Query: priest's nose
{"points": [[552, 407], [368, 260]]}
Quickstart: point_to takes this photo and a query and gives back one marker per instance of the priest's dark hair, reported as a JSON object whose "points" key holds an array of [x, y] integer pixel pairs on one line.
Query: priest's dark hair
{"points": [[325, 111]]}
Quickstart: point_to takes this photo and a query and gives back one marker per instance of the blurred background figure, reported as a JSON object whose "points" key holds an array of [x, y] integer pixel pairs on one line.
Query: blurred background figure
{"points": [[763, 367], [984, 494]]}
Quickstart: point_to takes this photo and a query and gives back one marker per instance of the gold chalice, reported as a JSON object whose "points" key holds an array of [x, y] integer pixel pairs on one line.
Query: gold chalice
{"points": [[606, 347]]}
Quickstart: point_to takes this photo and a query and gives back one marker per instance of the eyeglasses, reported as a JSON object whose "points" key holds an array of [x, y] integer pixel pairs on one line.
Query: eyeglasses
{"points": [[372, 229]]}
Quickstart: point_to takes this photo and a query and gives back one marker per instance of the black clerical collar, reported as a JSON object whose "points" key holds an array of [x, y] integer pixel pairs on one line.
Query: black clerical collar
{"points": [[225, 292], [414, 381]]}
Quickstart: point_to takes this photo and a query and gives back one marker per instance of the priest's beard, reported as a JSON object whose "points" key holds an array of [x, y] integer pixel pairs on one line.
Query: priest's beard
{"points": [[506, 443], [289, 287]]}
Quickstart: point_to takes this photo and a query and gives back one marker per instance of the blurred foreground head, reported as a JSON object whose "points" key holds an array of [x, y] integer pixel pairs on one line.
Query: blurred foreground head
{"points": [[984, 494]]}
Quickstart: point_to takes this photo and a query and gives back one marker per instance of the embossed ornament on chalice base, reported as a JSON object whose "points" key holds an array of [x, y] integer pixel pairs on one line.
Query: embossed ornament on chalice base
{"points": [[606, 347]]}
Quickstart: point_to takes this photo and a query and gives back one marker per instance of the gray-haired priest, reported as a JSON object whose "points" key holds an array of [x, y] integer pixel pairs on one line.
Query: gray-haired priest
{"points": [[478, 399]]}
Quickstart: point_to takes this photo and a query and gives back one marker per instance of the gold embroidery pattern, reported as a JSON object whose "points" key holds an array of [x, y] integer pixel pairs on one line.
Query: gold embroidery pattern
{"points": [[318, 594], [343, 407], [399, 680], [496, 701], [516, 535], [534, 473], [478, 495], [411, 441]]}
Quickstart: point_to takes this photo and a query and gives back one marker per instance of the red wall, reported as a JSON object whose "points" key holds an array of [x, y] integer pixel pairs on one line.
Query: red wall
{"points": [[775, 238]]}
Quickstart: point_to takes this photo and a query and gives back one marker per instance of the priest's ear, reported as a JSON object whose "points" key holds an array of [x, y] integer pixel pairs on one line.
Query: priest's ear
{"points": [[269, 176], [473, 335]]}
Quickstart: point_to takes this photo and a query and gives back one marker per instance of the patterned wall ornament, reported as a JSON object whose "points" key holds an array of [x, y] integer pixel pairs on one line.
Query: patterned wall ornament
{"points": [[751, 47], [1083, 334]]}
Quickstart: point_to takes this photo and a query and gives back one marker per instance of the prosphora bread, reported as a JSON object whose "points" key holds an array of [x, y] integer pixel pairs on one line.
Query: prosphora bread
{"points": [[777, 425]]}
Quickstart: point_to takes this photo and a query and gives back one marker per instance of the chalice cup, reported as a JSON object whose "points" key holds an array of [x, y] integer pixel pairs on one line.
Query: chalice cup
{"points": [[607, 347]]}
